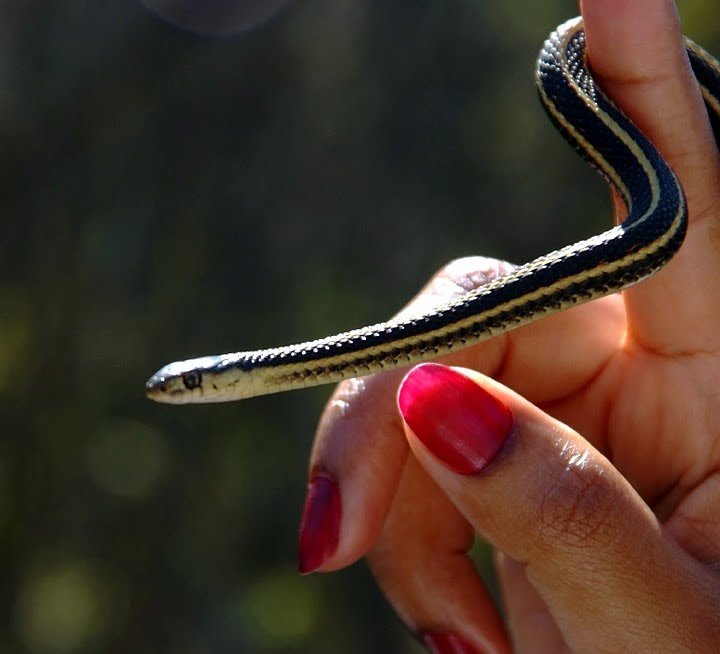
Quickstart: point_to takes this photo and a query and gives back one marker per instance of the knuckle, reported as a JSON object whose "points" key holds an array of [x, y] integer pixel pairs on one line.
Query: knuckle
{"points": [[468, 273], [453, 280], [580, 507]]}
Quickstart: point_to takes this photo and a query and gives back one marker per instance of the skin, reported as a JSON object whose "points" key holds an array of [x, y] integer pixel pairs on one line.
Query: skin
{"points": [[617, 552]]}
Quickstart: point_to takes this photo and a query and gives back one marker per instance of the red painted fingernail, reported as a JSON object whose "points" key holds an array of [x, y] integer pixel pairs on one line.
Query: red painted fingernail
{"points": [[320, 524], [448, 644], [457, 420]]}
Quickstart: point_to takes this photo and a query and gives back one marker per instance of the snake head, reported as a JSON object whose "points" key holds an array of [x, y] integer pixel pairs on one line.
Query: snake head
{"points": [[180, 382]]}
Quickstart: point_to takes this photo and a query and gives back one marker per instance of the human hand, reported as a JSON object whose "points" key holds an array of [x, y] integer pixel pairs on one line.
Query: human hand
{"points": [[602, 489]]}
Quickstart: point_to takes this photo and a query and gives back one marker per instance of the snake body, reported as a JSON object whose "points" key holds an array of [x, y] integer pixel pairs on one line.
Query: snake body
{"points": [[592, 268]]}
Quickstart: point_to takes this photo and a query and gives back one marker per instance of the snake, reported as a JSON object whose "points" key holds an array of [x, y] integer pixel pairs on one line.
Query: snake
{"points": [[629, 252]]}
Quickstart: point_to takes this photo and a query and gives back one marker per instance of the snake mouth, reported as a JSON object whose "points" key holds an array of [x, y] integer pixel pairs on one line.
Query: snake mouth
{"points": [[159, 391], [156, 387], [167, 389]]}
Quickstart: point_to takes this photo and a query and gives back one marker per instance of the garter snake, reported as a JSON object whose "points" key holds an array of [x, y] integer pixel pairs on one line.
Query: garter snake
{"points": [[623, 255]]}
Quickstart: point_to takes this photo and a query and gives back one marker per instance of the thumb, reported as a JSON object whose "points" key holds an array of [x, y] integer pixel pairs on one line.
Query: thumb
{"points": [[540, 493]]}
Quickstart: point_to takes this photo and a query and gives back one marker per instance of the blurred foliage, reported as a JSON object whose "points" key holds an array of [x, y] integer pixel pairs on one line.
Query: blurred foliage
{"points": [[167, 194]]}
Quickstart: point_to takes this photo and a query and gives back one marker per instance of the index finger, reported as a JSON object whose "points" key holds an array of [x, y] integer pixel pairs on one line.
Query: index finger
{"points": [[638, 57]]}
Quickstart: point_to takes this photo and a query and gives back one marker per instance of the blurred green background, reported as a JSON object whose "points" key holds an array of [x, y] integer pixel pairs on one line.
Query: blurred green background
{"points": [[167, 194]]}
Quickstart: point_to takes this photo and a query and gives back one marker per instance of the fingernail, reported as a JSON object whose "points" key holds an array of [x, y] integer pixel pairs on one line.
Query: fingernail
{"points": [[448, 644], [320, 524], [457, 420]]}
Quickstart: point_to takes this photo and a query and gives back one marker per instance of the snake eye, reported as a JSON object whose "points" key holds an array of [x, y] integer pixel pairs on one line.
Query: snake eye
{"points": [[192, 379]]}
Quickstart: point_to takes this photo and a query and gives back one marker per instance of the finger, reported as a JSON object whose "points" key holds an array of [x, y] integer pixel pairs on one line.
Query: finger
{"points": [[637, 55], [528, 618], [420, 561], [537, 491], [695, 524], [359, 443]]}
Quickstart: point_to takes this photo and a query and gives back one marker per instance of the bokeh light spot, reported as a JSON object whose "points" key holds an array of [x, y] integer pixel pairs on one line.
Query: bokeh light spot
{"points": [[216, 17], [61, 609], [128, 459], [280, 609]]}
